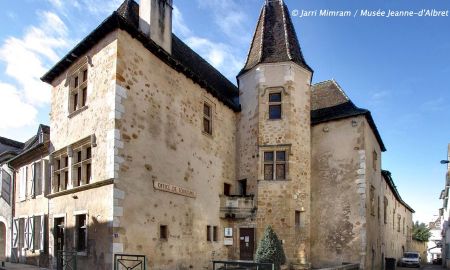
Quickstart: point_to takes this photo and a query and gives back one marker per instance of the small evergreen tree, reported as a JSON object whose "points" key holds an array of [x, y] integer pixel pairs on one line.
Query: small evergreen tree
{"points": [[270, 249]]}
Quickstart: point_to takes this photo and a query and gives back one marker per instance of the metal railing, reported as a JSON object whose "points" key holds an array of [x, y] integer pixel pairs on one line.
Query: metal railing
{"points": [[129, 262], [66, 260], [242, 265]]}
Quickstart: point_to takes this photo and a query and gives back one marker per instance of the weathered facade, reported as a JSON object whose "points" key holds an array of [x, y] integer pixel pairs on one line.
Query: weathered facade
{"points": [[154, 152], [29, 239], [8, 149]]}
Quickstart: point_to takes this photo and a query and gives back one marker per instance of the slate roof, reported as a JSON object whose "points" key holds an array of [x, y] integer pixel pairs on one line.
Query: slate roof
{"points": [[183, 59], [388, 177], [329, 102], [274, 39], [32, 146]]}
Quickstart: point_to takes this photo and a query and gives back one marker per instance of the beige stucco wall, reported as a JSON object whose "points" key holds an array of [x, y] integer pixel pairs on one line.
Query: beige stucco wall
{"points": [[277, 201], [96, 199], [338, 225], [161, 131]]}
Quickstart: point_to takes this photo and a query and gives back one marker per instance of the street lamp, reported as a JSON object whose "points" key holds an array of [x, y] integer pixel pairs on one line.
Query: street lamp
{"points": [[445, 161]]}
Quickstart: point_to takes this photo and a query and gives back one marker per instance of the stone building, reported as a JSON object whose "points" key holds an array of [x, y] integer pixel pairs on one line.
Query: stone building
{"points": [[29, 240], [8, 149], [154, 152], [445, 213]]}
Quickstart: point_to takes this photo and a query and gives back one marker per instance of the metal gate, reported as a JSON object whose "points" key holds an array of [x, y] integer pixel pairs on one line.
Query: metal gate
{"points": [[66, 260], [129, 262]]}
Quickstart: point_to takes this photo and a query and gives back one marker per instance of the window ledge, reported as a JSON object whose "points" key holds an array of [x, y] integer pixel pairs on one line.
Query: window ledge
{"points": [[207, 134], [81, 188], [72, 114]]}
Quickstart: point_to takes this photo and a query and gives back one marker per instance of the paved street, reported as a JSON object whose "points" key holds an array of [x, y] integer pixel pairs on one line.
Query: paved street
{"points": [[17, 266], [424, 267]]}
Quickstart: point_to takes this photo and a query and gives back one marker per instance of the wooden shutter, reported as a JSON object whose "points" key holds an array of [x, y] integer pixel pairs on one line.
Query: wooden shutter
{"points": [[22, 183], [41, 233], [25, 233], [46, 180], [15, 236], [31, 232], [33, 180]]}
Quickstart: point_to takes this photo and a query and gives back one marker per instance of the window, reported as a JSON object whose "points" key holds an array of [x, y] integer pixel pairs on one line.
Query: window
{"points": [[38, 233], [372, 200], [378, 204], [61, 172], [163, 232], [6, 186], [403, 225], [81, 233], [375, 160], [226, 189], [81, 168], [242, 186], [297, 219], [207, 118], [398, 223], [215, 233], [275, 165], [208, 233], [275, 105], [36, 184], [385, 210], [78, 89], [22, 233]]}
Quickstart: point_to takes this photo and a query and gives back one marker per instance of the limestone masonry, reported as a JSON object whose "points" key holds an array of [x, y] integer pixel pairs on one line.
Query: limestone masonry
{"points": [[151, 151]]}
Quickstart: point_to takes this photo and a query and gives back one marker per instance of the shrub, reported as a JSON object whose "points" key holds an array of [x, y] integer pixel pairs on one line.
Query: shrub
{"points": [[270, 249]]}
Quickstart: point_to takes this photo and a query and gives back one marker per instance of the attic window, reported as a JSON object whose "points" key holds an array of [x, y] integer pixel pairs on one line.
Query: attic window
{"points": [[78, 89]]}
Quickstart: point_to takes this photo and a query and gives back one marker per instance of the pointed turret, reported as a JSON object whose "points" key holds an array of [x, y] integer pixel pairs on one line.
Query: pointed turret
{"points": [[275, 39]]}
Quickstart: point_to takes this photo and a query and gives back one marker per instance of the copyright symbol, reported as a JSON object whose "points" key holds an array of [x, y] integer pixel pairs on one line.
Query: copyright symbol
{"points": [[295, 13]]}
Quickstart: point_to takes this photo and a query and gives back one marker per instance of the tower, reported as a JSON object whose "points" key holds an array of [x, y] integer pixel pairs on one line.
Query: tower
{"points": [[274, 138]]}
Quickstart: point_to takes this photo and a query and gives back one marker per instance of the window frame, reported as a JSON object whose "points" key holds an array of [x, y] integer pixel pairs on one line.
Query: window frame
{"points": [[78, 88], [208, 118], [275, 104], [77, 233], [84, 165], [274, 162]]}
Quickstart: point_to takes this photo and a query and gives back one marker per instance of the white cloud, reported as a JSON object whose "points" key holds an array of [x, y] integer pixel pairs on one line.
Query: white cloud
{"points": [[25, 57], [230, 18], [94, 7], [219, 55], [14, 112]]}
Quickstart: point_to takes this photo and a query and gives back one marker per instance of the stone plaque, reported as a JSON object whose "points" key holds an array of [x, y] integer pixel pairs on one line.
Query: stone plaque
{"points": [[174, 189], [232, 203], [228, 241]]}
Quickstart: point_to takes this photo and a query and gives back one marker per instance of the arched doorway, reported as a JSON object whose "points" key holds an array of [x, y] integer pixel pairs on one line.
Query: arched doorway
{"points": [[2, 241]]}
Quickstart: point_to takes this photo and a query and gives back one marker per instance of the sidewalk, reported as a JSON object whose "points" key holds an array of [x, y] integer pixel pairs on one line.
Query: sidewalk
{"points": [[18, 266]]}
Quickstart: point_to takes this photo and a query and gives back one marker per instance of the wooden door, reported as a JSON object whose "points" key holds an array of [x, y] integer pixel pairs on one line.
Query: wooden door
{"points": [[59, 241], [246, 243]]}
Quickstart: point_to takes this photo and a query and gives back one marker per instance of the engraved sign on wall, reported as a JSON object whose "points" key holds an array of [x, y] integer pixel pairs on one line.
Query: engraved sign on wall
{"points": [[228, 241], [174, 189]]}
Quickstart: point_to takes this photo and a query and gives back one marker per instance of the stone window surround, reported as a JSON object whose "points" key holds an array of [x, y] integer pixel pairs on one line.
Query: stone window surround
{"points": [[274, 148], [78, 70], [70, 154], [208, 102], [80, 213], [274, 90], [212, 233]]}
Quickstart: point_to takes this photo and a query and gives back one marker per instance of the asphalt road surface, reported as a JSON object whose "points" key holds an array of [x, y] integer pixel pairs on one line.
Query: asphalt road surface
{"points": [[424, 267]]}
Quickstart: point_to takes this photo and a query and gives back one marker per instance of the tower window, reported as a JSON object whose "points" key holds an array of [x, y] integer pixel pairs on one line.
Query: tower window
{"points": [[275, 106], [275, 165], [78, 89]]}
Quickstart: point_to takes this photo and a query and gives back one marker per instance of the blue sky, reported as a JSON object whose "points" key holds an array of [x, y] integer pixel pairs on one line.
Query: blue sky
{"points": [[399, 68]]}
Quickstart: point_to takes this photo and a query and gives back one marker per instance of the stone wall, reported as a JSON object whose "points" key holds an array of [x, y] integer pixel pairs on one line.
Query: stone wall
{"points": [[338, 226], [420, 247], [278, 201], [93, 121], [163, 142]]}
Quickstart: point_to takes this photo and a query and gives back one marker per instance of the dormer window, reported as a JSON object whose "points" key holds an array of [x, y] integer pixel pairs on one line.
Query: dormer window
{"points": [[78, 89], [275, 105]]}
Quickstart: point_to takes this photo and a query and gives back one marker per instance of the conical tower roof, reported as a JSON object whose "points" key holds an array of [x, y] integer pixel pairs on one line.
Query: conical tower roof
{"points": [[275, 39]]}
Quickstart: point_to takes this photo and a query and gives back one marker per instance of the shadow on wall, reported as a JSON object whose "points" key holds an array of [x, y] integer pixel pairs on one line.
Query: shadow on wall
{"points": [[3, 256]]}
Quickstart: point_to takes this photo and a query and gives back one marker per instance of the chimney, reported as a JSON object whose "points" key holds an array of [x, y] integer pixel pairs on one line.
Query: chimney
{"points": [[155, 21]]}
